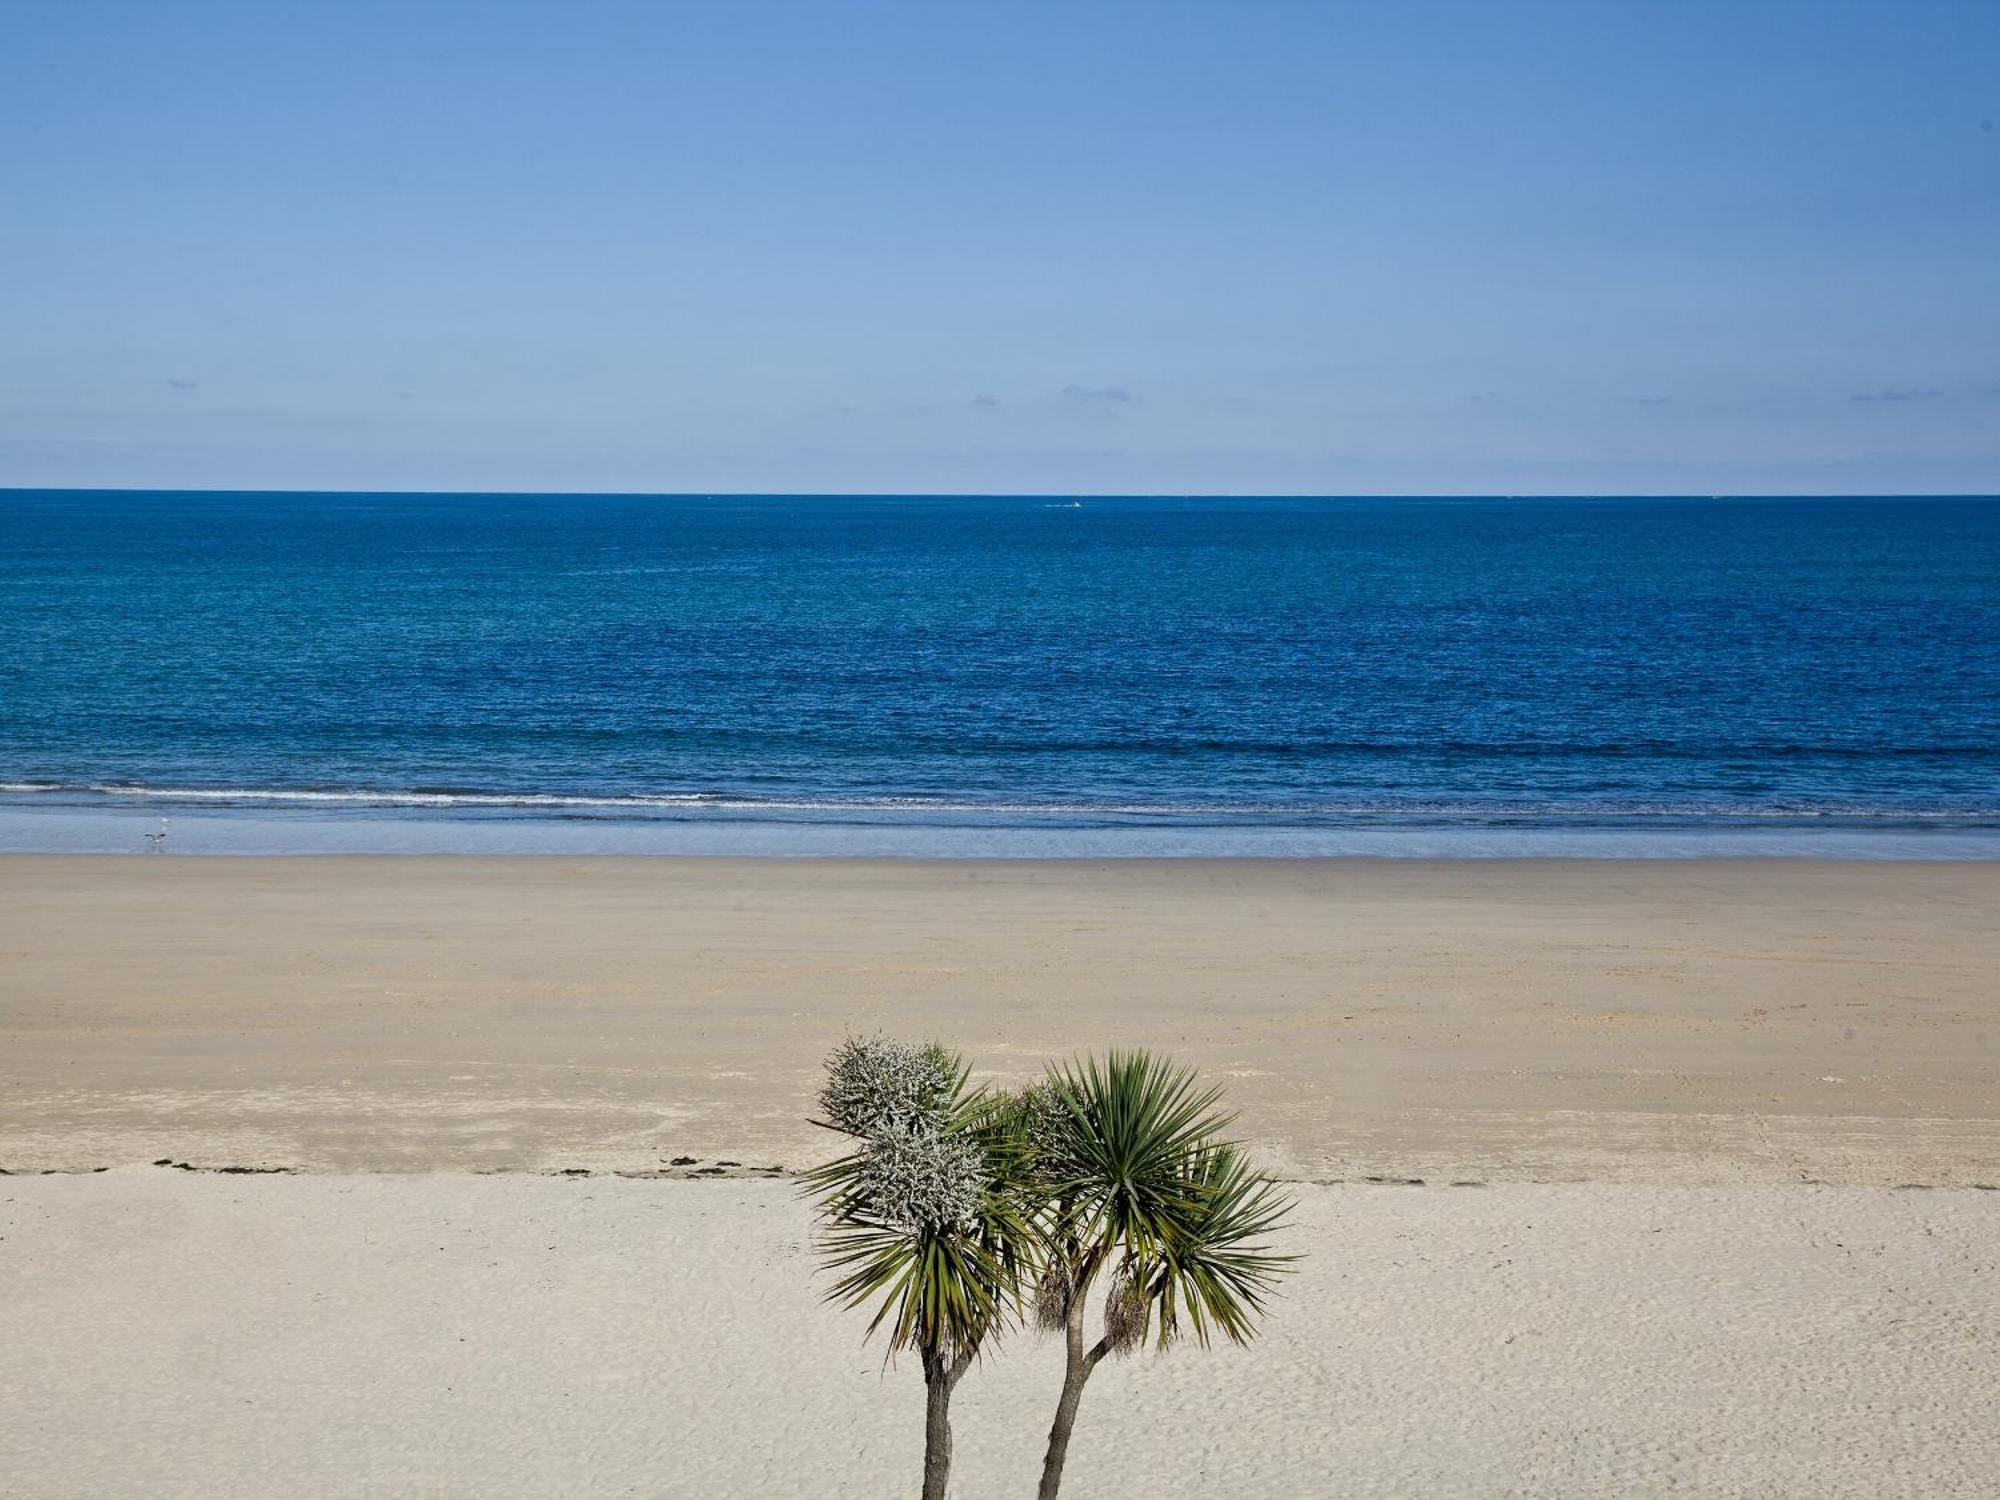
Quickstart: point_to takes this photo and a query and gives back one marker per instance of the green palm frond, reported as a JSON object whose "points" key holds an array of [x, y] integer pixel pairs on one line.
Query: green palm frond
{"points": [[948, 1284], [1133, 1174], [943, 1291], [1116, 1161], [1216, 1267]]}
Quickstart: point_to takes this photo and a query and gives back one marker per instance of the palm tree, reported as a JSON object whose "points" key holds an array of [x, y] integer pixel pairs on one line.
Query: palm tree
{"points": [[924, 1217], [1131, 1175]]}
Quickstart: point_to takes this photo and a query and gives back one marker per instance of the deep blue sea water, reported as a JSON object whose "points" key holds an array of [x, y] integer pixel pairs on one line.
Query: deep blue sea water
{"points": [[947, 674]]}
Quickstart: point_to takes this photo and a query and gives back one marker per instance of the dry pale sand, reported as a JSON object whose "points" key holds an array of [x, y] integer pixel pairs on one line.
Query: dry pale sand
{"points": [[1685, 1022], [172, 1334]]}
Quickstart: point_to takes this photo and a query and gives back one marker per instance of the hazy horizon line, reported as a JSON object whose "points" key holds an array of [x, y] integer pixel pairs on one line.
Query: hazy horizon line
{"points": [[908, 494]]}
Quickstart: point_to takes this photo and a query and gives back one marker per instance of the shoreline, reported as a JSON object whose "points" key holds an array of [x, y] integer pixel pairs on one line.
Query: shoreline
{"points": [[195, 830], [1692, 1022]]}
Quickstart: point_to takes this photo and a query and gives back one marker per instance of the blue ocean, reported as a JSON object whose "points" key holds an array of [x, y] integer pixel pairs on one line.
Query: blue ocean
{"points": [[806, 674]]}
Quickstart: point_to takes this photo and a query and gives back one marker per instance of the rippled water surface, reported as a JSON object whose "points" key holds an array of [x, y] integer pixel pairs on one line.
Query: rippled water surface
{"points": [[1272, 663]]}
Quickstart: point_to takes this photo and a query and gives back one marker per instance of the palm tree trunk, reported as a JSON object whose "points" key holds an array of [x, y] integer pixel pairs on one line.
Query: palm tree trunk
{"points": [[940, 1376], [1077, 1366]]}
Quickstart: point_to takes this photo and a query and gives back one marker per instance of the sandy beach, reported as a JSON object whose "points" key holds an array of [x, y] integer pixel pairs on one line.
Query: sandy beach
{"points": [[231, 1338], [1683, 1022], [1701, 1150]]}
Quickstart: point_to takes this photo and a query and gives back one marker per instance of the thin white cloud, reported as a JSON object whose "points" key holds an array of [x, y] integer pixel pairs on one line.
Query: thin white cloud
{"points": [[1900, 393]]}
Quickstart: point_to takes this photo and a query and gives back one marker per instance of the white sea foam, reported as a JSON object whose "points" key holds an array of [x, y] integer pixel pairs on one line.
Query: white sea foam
{"points": [[1436, 813], [112, 826]]}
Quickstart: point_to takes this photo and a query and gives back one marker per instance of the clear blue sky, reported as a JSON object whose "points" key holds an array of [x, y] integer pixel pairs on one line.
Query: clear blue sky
{"points": [[1346, 248]]}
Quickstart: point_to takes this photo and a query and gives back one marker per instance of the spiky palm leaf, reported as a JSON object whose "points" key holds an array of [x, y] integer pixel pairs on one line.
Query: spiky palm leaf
{"points": [[1114, 1167], [1216, 1266], [945, 1282], [1132, 1175]]}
